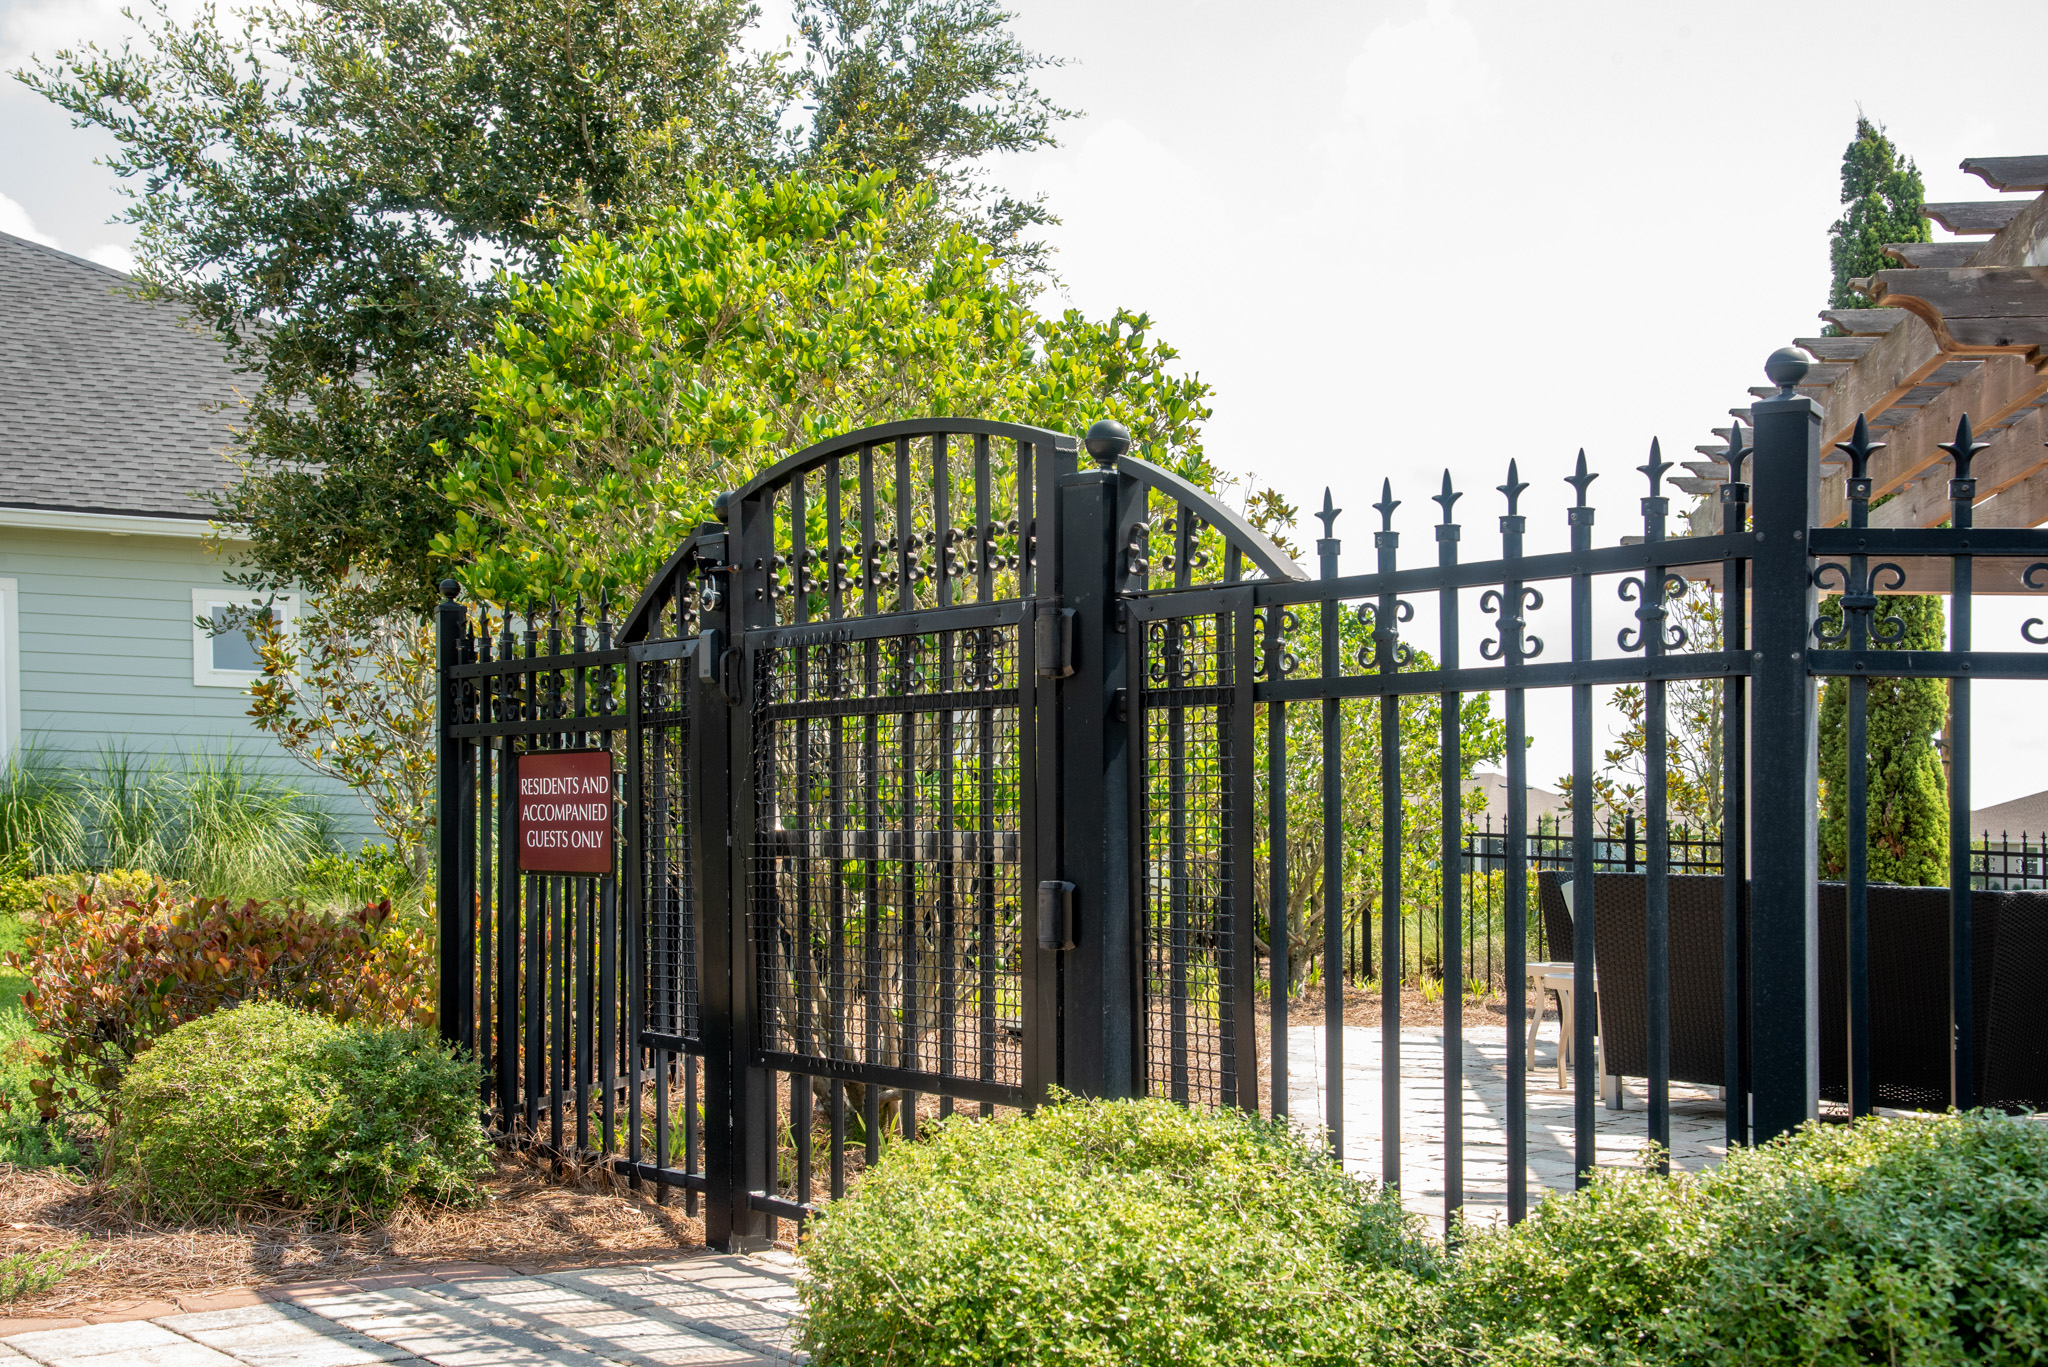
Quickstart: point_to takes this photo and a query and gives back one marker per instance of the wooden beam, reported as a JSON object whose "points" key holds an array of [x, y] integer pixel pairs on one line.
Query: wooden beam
{"points": [[2023, 505], [2009, 173], [1976, 217], [1864, 322], [2022, 242], [1933, 253], [1835, 348], [2012, 455], [1934, 295], [1971, 309], [1988, 393], [1881, 376]]}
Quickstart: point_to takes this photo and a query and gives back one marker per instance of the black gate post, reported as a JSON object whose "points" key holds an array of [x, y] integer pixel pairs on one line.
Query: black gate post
{"points": [[1784, 976], [454, 895], [1099, 1029], [737, 1102]]}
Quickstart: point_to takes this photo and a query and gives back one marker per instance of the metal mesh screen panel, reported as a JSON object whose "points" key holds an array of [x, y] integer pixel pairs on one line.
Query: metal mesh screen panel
{"points": [[669, 916], [885, 880], [1190, 1032]]}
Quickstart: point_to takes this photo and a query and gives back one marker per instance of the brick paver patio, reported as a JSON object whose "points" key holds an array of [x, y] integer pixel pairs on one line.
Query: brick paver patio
{"points": [[712, 1310], [1696, 1116]]}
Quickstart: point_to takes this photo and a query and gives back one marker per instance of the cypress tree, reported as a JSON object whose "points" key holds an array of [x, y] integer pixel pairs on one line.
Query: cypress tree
{"points": [[1884, 195], [1907, 812]]}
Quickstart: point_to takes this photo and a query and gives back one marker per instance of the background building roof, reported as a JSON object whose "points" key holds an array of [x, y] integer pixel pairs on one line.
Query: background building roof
{"points": [[108, 404]]}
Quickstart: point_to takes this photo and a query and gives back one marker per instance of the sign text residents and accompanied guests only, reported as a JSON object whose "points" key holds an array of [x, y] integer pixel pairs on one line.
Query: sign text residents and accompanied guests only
{"points": [[565, 812]]}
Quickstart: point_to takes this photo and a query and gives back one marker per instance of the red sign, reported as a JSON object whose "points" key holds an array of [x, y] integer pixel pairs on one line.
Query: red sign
{"points": [[565, 812]]}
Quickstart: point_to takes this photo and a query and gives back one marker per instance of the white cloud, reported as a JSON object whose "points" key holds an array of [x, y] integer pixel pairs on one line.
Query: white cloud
{"points": [[15, 220], [114, 256], [1411, 82]]}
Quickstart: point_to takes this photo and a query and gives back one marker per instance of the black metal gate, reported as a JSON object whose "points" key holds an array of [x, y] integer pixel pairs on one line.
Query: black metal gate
{"points": [[952, 768]]}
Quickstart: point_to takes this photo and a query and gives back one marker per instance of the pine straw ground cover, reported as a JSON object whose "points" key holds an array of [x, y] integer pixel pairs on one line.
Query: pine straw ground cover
{"points": [[532, 1220]]}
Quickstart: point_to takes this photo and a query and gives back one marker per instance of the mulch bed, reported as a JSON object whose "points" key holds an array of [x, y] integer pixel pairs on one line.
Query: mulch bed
{"points": [[534, 1220]]}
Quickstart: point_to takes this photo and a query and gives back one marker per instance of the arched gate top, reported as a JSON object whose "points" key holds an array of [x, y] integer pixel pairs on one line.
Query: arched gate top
{"points": [[912, 515]]}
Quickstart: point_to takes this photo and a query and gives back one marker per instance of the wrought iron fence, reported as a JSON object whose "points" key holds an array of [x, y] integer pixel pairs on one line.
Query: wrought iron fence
{"points": [[949, 779], [2009, 862], [2002, 862]]}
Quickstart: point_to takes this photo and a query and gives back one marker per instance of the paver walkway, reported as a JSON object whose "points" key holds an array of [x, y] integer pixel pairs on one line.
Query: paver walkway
{"points": [[1697, 1134], [706, 1309]]}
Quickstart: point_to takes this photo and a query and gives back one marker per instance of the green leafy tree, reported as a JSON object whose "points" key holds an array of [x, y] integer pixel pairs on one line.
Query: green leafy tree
{"points": [[927, 89], [342, 192], [1692, 731], [1907, 810], [667, 365], [1883, 194], [1483, 739]]}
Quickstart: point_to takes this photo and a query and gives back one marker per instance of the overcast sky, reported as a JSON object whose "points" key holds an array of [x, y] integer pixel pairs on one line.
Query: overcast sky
{"points": [[1400, 237]]}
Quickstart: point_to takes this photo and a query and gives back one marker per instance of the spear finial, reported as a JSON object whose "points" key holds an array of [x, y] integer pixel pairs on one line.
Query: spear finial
{"points": [[1581, 480], [1385, 507]]}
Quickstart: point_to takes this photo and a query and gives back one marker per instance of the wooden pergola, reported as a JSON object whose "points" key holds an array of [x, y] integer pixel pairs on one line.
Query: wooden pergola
{"points": [[1960, 326]]}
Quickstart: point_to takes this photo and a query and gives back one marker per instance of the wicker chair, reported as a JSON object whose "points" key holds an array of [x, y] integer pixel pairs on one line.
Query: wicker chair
{"points": [[2015, 1074], [1618, 928]]}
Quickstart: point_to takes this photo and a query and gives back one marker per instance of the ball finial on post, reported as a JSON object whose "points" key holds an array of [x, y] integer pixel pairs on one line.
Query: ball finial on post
{"points": [[1107, 440], [1786, 367], [450, 589]]}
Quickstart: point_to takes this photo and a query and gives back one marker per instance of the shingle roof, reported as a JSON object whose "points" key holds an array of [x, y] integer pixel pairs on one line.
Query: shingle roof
{"points": [[2028, 815], [106, 401]]}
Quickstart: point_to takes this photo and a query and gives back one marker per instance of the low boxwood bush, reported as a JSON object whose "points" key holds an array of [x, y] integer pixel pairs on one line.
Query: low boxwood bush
{"points": [[1138, 1233], [1919, 1241], [264, 1104], [1109, 1233]]}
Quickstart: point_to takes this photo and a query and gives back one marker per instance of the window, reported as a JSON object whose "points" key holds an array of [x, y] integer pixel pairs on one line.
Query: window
{"points": [[224, 656], [10, 668]]}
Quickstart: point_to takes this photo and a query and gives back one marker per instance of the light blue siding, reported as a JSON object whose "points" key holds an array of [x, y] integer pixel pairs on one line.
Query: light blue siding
{"points": [[105, 656]]}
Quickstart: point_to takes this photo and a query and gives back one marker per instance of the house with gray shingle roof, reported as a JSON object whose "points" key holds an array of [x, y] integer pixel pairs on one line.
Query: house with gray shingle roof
{"points": [[114, 427]]}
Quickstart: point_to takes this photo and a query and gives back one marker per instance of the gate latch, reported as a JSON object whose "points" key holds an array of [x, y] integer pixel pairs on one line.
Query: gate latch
{"points": [[1054, 644], [1055, 915], [717, 665]]}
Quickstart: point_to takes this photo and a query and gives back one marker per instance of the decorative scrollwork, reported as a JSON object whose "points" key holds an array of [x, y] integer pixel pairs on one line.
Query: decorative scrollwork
{"points": [[1170, 666], [1511, 626], [1834, 573], [1860, 603], [1650, 612], [1274, 658], [2027, 627], [1385, 644]]}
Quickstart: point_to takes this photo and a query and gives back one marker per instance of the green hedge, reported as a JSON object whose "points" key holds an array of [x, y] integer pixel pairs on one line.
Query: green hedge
{"points": [[263, 1104], [1137, 1232], [1108, 1234]]}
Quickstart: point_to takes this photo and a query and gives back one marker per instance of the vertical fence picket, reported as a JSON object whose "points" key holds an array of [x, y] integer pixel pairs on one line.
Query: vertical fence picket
{"points": [[1585, 1075], [1450, 903]]}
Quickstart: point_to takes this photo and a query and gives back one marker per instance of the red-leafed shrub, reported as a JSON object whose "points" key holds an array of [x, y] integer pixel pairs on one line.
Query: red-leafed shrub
{"points": [[107, 977]]}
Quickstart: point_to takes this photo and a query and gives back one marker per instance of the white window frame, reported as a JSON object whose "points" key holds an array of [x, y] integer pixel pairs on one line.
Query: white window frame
{"points": [[10, 667], [204, 675]]}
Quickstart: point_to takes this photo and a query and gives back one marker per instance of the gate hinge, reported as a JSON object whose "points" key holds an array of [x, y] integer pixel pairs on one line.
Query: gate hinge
{"points": [[1055, 915], [1054, 643], [1123, 704]]}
